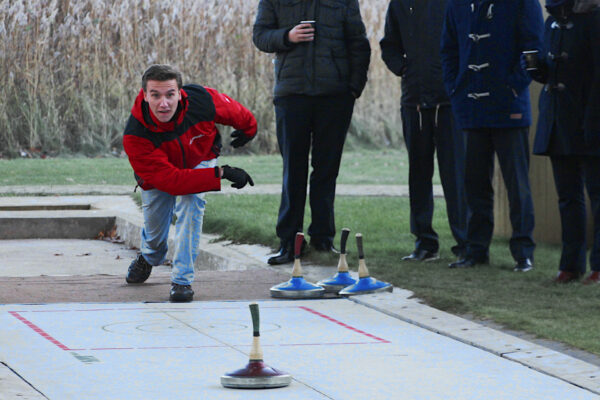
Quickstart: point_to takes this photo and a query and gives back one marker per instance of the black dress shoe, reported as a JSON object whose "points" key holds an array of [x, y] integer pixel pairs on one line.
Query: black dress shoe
{"points": [[468, 262], [324, 247], [459, 251], [284, 256], [523, 265], [422, 255], [181, 293]]}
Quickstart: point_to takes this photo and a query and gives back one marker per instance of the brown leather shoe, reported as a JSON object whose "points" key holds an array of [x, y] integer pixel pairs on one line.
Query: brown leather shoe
{"points": [[566, 277], [594, 277]]}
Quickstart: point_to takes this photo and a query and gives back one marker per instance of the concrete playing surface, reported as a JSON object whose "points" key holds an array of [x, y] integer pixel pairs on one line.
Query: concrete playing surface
{"points": [[91, 336], [334, 349]]}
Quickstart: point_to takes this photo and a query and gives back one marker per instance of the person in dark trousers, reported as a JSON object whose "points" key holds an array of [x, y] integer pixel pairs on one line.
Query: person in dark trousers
{"points": [[568, 128], [172, 144], [321, 60], [482, 41], [411, 50]]}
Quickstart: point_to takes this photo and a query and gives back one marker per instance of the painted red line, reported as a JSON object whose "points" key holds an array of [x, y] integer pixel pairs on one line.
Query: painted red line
{"points": [[38, 330], [310, 310], [112, 348]]}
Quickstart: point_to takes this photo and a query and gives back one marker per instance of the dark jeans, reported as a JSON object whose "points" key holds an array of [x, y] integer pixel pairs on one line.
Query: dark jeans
{"points": [[315, 124], [572, 175], [425, 133], [512, 148]]}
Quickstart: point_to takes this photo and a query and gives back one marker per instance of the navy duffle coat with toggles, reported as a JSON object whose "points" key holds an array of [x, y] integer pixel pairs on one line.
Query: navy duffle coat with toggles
{"points": [[482, 41], [569, 122]]}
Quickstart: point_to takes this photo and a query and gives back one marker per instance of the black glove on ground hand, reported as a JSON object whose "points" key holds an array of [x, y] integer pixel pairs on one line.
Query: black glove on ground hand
{"points": [[238, 176], [240, 138]]}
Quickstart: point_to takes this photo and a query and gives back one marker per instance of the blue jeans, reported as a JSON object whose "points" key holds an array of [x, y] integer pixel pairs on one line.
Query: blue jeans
{"points": [[158, 208]]}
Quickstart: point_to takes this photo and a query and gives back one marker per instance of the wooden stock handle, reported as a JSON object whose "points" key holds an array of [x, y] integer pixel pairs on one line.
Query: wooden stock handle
{"points": [[344, 239], [359, 246], [298, 244]]}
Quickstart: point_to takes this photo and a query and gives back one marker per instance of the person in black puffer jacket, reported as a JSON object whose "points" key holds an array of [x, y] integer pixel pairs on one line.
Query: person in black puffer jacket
{"points": [[411, 50], [321, 63]]}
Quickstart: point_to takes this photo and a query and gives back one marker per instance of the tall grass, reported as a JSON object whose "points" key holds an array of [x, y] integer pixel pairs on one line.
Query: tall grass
{"points": [[69, 69]]}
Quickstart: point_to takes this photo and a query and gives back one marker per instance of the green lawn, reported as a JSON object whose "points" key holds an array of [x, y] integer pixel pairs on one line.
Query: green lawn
{"points": [[528, 302], [384, 167]]}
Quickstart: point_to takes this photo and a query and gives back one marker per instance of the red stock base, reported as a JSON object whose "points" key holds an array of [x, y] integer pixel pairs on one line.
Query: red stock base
{"points": [[256, 375]]}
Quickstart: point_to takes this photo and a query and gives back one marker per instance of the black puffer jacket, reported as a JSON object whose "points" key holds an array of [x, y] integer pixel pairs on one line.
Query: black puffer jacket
{"points": [[411, 49], [335, 62]]}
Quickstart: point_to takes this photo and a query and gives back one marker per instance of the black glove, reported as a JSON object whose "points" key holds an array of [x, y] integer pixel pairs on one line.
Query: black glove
{"points": [[240, 138], [238, 176]]}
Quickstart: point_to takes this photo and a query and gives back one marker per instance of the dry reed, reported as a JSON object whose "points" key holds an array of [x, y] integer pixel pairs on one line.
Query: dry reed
{"points": [[69, 70]]}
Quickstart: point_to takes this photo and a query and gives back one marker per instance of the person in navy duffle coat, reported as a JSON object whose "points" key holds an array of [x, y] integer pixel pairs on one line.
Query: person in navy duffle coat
{"points": [[482, 41], [568, 128], [411, 49]]}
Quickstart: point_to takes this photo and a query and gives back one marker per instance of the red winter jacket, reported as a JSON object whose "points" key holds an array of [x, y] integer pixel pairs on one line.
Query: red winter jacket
{"points": [[163, 155]]}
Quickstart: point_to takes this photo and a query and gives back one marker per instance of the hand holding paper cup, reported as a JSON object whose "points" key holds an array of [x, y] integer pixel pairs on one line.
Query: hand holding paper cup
{"points": [[303, 32], [531, 60]]}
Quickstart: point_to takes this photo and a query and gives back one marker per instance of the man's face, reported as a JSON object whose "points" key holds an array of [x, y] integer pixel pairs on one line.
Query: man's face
{"points": [[162, 97]]}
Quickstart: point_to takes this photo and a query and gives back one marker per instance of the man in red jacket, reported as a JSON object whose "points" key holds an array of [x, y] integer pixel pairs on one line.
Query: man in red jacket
{"points": [[173, 144]]}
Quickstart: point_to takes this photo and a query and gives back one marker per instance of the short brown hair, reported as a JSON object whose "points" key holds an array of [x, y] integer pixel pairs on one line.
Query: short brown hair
{"points": [[161, 73]]}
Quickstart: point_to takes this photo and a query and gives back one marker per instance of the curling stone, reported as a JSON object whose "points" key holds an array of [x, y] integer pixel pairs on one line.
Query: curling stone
{"points": [[256, 374], [366, 284], [297, 287], [342, 278]]}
